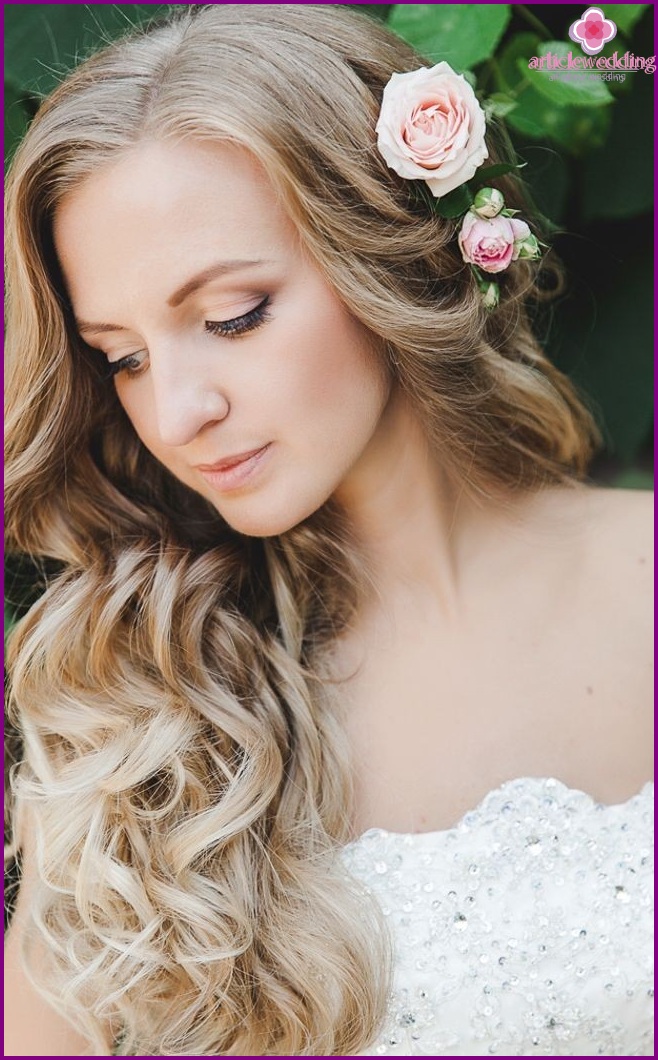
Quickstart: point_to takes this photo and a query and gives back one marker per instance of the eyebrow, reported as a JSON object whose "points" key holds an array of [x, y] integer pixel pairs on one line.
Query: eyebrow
{"points": [[220, 268]]}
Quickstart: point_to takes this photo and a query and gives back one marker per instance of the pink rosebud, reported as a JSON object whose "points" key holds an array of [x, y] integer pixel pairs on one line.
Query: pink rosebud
{"points": [[491, 244], [431, 127]]}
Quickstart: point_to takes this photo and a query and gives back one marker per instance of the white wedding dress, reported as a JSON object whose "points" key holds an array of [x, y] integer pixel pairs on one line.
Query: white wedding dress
{"points": [[526, 930]]}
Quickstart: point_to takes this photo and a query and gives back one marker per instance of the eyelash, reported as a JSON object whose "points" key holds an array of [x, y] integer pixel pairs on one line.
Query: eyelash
{"points": [[227, 329]]}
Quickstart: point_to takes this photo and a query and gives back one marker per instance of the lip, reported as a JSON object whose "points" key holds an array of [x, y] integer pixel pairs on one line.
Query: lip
{"points": [[230, 461], [233, 471]]}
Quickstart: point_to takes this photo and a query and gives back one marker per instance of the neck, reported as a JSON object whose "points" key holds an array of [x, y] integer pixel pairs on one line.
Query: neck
{"points": [[416, 527]]}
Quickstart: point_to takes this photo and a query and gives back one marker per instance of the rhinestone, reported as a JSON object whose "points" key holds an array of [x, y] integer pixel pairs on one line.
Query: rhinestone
{"points": [[525, 886]]}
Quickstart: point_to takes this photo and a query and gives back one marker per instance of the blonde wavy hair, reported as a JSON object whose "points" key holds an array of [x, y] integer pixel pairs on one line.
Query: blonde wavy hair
{"points": [[184, 760]]}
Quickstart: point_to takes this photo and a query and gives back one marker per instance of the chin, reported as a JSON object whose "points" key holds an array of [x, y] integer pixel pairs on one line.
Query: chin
{"points": [[264, 524]]}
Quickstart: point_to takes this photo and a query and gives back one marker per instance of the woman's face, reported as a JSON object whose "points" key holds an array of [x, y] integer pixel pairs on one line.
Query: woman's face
{"points": [[225, 339]]}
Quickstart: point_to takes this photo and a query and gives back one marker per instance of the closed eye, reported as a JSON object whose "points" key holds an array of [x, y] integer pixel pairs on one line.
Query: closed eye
{"points": [[230, 329], [130, 364]]}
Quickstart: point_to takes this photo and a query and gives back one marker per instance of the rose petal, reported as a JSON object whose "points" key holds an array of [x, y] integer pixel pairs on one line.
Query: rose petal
{"points": [[519, 228], [430, 120]]}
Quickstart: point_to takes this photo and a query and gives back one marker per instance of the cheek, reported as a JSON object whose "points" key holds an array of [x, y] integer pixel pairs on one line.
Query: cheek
{"points": [[336, 381]]}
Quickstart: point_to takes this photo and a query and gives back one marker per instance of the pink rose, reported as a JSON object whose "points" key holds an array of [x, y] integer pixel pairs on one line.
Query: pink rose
{"points": [[431, 127], [491, 244]]}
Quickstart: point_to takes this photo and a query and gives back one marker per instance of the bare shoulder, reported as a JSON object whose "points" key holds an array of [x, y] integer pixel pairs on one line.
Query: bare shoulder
{"points": [[609, 620], [597, 536], [619, 594], [627, 511], [620, 532], [606, 580]]}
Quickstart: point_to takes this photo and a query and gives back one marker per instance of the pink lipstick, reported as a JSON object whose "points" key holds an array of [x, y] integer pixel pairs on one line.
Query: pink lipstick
{"points": [[233, 471]]}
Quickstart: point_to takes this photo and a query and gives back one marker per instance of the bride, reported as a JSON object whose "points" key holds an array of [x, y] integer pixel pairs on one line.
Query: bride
{"points": [[337, 712]]}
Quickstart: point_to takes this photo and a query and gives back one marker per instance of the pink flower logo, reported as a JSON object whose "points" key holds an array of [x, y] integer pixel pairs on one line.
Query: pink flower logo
{"points": [[593, 30]]}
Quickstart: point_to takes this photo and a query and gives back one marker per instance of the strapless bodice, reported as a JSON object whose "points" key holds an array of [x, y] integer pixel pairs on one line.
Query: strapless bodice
{"points": [[525, 930]]}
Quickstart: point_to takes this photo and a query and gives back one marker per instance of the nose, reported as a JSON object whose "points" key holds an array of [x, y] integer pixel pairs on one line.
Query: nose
{"points": [[188, 398]]}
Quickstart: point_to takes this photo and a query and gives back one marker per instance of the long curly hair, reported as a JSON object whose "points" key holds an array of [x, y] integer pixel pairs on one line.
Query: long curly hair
{"points": [[184, 763]]}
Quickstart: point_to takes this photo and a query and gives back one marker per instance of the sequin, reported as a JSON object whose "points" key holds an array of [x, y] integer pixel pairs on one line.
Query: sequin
{"points": [[524, 930]]}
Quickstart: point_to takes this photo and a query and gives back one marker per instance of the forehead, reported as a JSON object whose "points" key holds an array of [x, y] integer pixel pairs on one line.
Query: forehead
{"points": [[163, 208]]}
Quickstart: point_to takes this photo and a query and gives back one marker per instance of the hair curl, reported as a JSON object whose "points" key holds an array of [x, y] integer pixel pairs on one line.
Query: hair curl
{"points": [[183, 758]]}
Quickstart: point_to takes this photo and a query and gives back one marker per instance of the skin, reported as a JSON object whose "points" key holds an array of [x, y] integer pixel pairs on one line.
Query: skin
{"points": [[535, 614]]}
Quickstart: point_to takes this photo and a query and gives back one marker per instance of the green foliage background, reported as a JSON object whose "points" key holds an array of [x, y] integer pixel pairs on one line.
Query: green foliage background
{"points": [[588, 149]]}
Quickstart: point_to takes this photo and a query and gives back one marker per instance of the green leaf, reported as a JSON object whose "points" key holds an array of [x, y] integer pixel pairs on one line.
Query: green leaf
{"points": [[625, 15], [563, 87], [454, 203], [578, 129], [460, 34], [618, 178], [491, 172], [44, 41], [508, 74], [498, 105]]}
